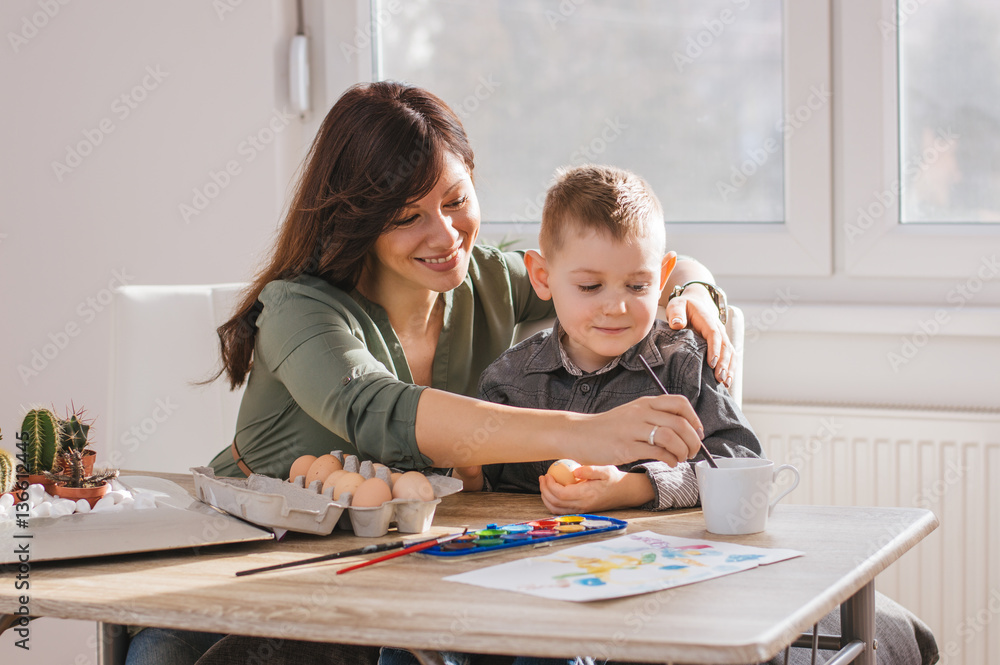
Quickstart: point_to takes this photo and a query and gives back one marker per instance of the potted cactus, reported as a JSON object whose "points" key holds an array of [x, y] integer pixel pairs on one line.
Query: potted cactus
{"points": [[74, 432], [72, 482], [8, 471], [40, 441]]}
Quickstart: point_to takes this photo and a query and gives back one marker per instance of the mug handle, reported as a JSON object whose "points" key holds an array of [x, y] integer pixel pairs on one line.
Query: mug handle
{"points": [[774, 478]]}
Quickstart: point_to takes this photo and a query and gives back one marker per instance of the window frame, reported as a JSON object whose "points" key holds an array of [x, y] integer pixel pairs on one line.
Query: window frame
{"points": [[867, 111]]}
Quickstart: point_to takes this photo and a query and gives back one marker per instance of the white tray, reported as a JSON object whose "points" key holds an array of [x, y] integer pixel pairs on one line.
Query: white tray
{"points": [[268, 502]]}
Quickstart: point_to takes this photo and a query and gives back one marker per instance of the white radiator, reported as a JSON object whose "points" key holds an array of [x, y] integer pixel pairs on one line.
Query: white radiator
{"points": [[945, 461]]}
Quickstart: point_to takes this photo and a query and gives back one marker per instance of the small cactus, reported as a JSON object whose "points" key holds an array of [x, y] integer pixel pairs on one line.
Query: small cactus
{"points": [[74, 432], [40, 434], [8, 475], [73, 460]]}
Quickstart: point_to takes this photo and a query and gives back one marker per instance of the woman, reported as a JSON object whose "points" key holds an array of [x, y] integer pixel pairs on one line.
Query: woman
{"points": [[377, 313]]}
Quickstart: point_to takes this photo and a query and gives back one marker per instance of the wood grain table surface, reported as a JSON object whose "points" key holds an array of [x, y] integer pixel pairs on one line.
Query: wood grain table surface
{"points": [[741, 618]]}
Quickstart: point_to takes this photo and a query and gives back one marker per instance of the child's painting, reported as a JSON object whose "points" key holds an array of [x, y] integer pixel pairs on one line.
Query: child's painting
{"points": [[625, 566]]}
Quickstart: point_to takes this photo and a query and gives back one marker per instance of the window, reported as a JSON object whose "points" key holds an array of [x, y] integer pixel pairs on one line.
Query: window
{"points": [[917, 138], [697, 96], [787, 140], [949, 112]]}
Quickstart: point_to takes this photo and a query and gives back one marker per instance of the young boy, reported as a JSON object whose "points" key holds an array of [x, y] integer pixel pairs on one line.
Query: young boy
{"points": [[603, 262]]}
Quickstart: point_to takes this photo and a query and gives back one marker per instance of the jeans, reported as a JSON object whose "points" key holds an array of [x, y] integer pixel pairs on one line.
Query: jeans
{"points": [[167, 646], [401, 657]]}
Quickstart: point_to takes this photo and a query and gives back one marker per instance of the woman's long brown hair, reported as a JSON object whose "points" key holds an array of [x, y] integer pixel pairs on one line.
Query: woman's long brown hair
{"points": [[381, 146]]}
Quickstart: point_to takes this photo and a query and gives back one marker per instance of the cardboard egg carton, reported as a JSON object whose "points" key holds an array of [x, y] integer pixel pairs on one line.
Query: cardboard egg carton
{"points": [[410, 516]]}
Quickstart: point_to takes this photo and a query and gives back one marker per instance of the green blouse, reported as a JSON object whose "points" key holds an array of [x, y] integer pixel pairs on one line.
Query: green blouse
{"points": [[329, 372]]}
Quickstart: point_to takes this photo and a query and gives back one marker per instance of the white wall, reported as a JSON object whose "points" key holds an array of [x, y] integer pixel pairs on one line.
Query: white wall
{"points": [[114, 218]]}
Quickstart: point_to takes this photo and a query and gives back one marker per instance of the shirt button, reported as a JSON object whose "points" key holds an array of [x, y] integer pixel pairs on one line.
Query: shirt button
{"points": [[585, 388], [345, 380]]}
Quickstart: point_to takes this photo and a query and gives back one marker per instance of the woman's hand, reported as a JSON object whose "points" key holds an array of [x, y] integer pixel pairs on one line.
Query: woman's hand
{"points": [[696, 306], [624, 433], [600, 488]]}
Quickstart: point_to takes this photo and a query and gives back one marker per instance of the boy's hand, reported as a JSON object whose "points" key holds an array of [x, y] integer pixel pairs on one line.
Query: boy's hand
{"points": [[471, 477], [600, 488]]}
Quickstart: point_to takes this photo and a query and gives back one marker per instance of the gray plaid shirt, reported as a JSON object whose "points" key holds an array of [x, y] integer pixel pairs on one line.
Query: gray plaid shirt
{"points": [[537, 373]]}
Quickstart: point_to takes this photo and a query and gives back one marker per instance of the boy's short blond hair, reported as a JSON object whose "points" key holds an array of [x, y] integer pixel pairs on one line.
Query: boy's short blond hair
{"points": [[602, 198]]}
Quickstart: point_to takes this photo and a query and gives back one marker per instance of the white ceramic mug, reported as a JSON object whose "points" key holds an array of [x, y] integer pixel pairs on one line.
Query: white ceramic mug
{"points": [[736, 497]]}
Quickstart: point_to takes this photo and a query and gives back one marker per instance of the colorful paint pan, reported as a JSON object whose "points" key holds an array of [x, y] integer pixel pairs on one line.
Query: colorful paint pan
{"points": [[549, 530], [516, 528], [514, 537], [594, 524], [570, 528], [570, 519]]}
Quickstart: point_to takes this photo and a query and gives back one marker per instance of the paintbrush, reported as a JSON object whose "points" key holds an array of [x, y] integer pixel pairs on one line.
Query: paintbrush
{"points": [[416, 547], [704, 450], [367, 549]]}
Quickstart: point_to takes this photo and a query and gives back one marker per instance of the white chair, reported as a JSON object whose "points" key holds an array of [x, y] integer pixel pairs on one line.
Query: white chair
{"points": [[163, 341]]}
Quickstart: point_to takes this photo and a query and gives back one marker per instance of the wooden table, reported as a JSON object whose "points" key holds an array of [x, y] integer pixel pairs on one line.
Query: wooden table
{"points": [[741, 618]]}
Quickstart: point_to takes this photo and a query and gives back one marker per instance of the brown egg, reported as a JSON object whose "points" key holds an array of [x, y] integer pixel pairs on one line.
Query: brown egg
{"points": [[347, 483], [322, 467], [393, 477], [300, 467], [562, 471], [414, 486], [371, 493], [331, 480]]}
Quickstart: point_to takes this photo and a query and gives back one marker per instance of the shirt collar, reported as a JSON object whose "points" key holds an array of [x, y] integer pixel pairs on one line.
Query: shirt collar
{"points": [[551, 355]]}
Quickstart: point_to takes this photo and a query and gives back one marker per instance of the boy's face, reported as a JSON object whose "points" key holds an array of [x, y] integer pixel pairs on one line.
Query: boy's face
{"points": [[605, 292]]}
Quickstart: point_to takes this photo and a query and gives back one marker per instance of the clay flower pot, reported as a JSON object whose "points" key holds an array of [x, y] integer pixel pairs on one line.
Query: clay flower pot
{"points": [[39, 479], [91, 494], [88, 464]]}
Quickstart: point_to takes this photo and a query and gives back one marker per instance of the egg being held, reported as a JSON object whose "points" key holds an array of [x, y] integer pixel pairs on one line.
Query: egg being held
{"points": [[300, 467], [347, 483], [562, 472], [413, 486], [371, 493], [322, 467]]}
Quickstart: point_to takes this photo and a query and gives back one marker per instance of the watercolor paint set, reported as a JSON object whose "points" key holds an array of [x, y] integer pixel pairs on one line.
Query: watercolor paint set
{"points": [[534, 533]]}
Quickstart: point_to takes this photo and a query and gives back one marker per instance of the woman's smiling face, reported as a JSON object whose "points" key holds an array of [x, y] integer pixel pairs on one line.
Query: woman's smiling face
{"points": [[431, 249]]}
